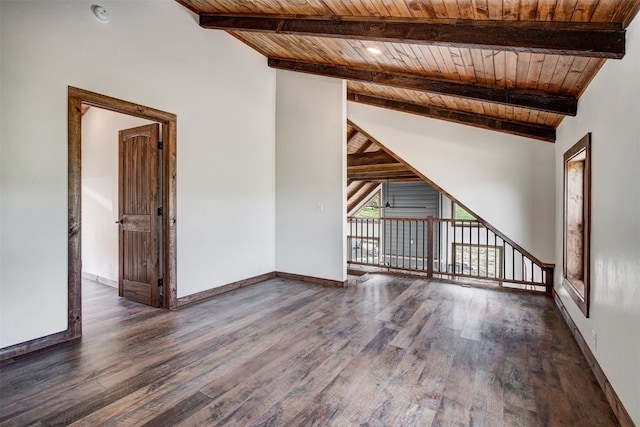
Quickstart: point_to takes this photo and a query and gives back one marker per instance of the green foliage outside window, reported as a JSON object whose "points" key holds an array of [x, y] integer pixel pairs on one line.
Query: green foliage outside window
{"points": [[371, 209], [460, 213]]}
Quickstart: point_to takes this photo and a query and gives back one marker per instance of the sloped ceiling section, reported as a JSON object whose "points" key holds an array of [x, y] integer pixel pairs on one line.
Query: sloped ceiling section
{"points": [[509, 66]]}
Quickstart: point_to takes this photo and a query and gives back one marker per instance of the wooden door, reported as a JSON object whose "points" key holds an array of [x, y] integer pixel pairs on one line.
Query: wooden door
{"points": [[138, 209]]}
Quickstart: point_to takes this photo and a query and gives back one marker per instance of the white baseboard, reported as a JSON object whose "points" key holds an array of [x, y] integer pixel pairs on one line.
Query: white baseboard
{"points": [[100, 279]]}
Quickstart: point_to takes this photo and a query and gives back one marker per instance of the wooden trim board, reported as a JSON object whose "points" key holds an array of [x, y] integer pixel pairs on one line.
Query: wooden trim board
{"points": [[210, 293], [612, 397], [8, 353], [310, 279], [76, 99], [578, 289]]}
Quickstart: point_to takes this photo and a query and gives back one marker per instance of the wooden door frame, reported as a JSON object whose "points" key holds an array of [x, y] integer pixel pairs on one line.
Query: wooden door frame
{"points": [[76, 98]]}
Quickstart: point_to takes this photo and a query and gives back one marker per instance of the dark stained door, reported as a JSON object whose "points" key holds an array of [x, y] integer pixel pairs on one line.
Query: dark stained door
{"points": [[138, 209]]}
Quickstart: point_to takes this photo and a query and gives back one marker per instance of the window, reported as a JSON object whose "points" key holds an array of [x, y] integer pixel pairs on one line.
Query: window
{"points": [[371, 209], [462, 217], [460, 213], [577, 222]]}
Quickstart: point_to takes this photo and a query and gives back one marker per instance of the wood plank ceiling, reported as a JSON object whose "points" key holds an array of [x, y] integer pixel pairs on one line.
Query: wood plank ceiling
{"points": [[512, 66]]}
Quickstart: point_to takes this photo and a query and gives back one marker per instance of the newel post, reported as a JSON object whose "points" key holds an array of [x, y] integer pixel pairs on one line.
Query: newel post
{"points": [[430, 247], [548, 279]]}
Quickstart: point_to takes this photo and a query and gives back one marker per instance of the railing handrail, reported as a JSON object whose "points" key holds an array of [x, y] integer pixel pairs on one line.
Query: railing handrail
{"points": [[517, 246], [425, 218], [484, 224]]}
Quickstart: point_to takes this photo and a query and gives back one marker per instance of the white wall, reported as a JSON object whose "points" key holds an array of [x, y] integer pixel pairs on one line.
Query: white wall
{"points": [[506, 180], [100, 190], [152, 53], [311, 176], [609, 109]]}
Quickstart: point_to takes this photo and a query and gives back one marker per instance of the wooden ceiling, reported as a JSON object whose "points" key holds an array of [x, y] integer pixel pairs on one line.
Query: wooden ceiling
{"points": [[514, 66]]}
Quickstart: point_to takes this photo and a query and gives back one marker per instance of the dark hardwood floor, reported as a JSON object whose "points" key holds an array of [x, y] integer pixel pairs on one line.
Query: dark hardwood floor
{"points": [[388, 351]]}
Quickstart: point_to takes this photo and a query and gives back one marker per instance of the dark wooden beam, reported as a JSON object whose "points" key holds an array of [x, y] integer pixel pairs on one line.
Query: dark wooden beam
{"points": [[553, 103], [380, 179], [566, 38], [529, 130], [375, 168], [381, 175], [364, 147], [375, 171], [356, 188], [351, 134], [387, 170], [414, 178], [372, 158]]}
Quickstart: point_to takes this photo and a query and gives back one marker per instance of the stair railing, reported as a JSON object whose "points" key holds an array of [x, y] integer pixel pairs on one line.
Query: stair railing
{"points": [[450, 249]]}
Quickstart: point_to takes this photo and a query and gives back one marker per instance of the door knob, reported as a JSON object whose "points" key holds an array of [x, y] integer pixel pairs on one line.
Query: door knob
{"points": [[119, 221]]}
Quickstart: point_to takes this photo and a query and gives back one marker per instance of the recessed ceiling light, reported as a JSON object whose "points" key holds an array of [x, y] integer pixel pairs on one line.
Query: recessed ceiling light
{"points": [[100, 13], [374, 50]]}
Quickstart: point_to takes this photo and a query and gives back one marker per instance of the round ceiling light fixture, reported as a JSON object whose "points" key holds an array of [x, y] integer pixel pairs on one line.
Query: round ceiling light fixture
{"points": [[374, 50], [100, 13]]}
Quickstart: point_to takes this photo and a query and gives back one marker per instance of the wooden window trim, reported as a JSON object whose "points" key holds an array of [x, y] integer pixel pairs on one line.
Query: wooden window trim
{"points": [[582, 299]]}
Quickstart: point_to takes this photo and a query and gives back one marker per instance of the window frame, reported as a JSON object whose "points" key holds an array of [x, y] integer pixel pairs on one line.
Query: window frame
{"points": [[579, 290]]}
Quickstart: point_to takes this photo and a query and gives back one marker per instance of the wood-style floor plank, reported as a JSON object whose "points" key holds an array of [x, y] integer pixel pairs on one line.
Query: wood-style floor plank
{"points": [[386, 350]]}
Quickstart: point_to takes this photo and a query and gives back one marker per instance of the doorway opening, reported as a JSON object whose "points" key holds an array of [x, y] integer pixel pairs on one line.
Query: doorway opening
{"points": [[165, 222]]}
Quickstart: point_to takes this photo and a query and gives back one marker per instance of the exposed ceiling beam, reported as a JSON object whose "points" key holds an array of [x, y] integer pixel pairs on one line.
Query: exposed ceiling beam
{"points": [[382, 176], [559, 104], [529, 130], [351, 135], [372, 158], [381, 167], [566, 38], [376, 166], [355, 189], [365, 146]]}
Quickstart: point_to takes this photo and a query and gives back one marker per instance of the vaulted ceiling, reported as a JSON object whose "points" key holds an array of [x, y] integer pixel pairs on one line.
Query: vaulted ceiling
{"points": [[514, 66]]}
